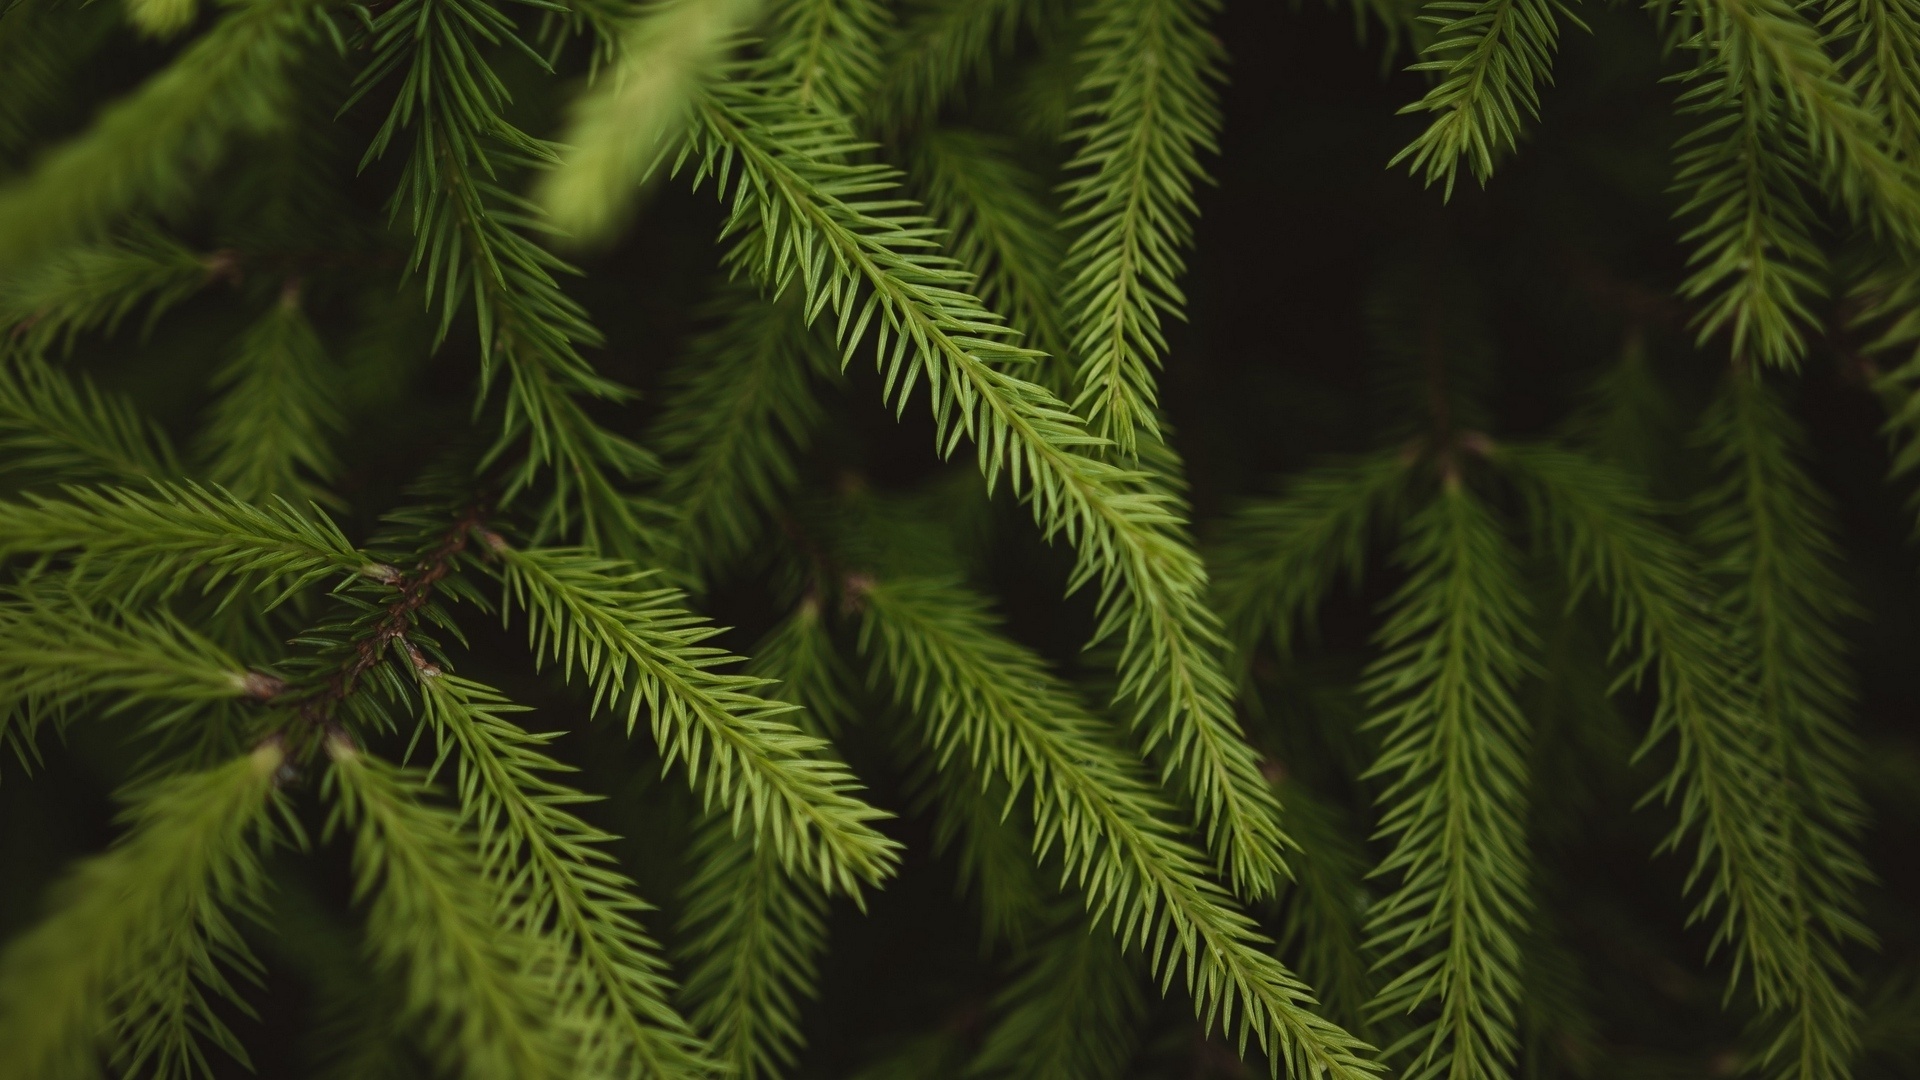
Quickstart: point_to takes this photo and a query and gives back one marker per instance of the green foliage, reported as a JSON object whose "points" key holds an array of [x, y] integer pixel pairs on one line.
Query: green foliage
{"points": [[415, 870], [1770, 528], [619, 129], [141, 944], [609, 982], [941, 653], [97, 286], [1325, 910], [268, 433], [755, 931], [58, 651], [41, 44], [1849, 144], [1071, 1015], [829, 49], [790, 200], [121, 541], [148, 149], [638, 650], [1884, 39], [1724, 772], [973, 821], [57, 427], [1756, 248], [743, 405], [1151, 114], [755, 938], [469, 245], [1491, 56], [1278, 558], [1454, 747], [938, 46], [1353, 788], [1001, 228]]}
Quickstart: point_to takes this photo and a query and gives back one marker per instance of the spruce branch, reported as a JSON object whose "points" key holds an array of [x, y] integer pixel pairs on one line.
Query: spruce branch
{"points": [[1152, 111], [987, 699], [42, 43], [85, 287], [122, 541], [148, 150], [1755, 262], [1324, 910], [1892, 314], [973, 818], [610, 983], [471, 986], [54, 426], [802, 664], [1454, 806], [140, 944], [1770, 531], [412, 599], [1881, 43], [636, 648], [1491, 57], [469, 243], [755, 934], [269, 432], [58, 650], [801, 212], [1848, 145], [161, 18], [1724, 778], [619, 128], [1001, 229]]}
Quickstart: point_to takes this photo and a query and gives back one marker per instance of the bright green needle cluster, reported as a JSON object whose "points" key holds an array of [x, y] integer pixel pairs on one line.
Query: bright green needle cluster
{"points": [[1151, 114]]}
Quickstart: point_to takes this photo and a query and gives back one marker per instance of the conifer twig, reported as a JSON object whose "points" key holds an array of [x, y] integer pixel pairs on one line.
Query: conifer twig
{"points": [[1153, 111], [638, 649], [801, 213], [468, 983], [983, 696], [143, 936], [1766, 524], [1453, 751], [611, 984], [1724, 774]]}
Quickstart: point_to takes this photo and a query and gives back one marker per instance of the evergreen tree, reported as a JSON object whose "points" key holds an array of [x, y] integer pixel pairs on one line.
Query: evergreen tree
{"points": [[1209, 589]]}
